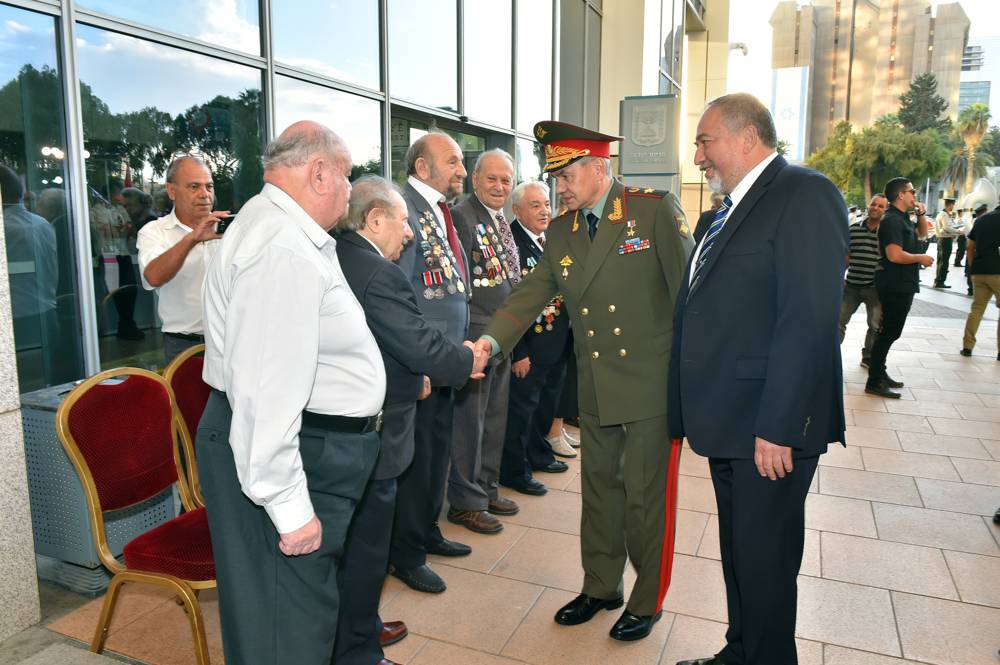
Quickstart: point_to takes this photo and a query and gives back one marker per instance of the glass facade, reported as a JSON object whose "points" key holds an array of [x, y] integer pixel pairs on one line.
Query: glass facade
{"points": [[218, 78]]}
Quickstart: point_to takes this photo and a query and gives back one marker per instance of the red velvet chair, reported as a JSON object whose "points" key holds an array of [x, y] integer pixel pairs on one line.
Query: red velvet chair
{"points": [[191, 392], [122, 438]]}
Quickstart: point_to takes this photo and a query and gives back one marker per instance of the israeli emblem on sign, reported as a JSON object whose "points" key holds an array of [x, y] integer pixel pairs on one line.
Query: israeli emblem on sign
{"points": [[649, 124]]}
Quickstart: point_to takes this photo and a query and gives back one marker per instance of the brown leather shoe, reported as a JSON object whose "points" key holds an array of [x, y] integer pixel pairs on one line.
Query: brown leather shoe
{"points": [[480, 521], [503, 506], [392, 632]]}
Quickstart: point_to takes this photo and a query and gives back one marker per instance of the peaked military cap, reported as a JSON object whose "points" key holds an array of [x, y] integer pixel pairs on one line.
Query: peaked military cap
{"points": [[565, 143]]}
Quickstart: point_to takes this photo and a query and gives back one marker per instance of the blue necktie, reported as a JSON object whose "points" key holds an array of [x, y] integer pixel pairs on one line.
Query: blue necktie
{"points": [[713, 232]]}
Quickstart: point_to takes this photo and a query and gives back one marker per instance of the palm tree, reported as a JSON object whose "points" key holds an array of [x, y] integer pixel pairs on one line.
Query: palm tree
{"points": [[973, 123], [962, 169]]}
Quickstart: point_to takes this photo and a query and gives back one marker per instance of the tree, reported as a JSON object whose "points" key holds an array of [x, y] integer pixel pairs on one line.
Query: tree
{"points": [[991, 145], [884, 150], [922, 108], [782, 147], [961, 169], [973, 123]]}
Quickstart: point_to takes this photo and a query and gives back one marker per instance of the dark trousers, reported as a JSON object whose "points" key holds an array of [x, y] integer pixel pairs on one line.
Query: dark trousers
{"points": [[126, 294], [761, 535], [943, 257], [568, 404], [531, 408], [960, 243], [361, 574], [895, 307], [278, 609], [420, 493]]}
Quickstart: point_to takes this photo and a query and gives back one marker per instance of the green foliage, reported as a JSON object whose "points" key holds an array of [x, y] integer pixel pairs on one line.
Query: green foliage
{"points": [[922, 108], [782, 147], [991, 144]]}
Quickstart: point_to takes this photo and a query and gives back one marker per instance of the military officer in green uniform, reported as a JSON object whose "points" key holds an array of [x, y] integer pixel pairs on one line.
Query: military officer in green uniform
{"points": [[618, 257]]}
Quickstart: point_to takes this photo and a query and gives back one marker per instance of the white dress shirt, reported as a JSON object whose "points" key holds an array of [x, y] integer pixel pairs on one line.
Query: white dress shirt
{"points": [[284, 333], [538, 239], [739, 191], [179, 303], [433, 197]]}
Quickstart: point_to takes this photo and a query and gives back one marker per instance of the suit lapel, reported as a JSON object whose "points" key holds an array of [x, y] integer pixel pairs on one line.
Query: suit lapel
{"points": [[605, 238], [744, 208]]}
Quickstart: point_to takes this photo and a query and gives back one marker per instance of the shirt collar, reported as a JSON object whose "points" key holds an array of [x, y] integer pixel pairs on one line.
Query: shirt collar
{"points": [[369, 241], [432, 195], [300, 217], [598, 208], [534, 237], [740, 190], [170, 220]]}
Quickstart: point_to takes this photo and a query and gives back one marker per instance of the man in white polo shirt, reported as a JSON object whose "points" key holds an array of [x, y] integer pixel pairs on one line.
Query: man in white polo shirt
{"points": [[175, 250]]}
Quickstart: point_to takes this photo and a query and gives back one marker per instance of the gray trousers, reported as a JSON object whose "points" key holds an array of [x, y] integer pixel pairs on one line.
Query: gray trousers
{"points": [[477, 439], [174, 346], [278, 609], [853, 297]]}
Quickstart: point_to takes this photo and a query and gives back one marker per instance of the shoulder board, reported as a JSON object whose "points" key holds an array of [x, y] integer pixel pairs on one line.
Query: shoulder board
{"points": [[647, 192]]}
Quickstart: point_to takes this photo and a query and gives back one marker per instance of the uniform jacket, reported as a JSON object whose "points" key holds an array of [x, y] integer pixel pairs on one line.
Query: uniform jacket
{"points": [[756, 348], [619, 292], [544, 342], [410, 346], [477, 231], [430, 267]]}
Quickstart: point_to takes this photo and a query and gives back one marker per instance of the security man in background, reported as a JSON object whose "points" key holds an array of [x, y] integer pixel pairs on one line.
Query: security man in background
{"points": [[618, 257]]}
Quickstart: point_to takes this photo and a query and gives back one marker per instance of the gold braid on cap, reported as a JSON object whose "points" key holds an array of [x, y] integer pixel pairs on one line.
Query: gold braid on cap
{"points": [[557, 156]]}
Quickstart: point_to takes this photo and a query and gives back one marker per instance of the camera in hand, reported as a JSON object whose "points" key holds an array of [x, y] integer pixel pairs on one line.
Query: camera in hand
{"points": [[224, 223]]}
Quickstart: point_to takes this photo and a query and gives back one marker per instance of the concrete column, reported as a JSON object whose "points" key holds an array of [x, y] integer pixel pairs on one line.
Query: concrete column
{"points": [[18, 583]]}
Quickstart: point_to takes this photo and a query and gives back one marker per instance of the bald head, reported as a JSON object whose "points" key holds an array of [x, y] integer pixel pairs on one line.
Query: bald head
{"points": [[436, 160], [310, 163]]}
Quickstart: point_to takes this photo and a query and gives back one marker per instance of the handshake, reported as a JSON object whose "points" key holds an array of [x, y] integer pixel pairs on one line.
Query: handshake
{"points": [[481, 352]]}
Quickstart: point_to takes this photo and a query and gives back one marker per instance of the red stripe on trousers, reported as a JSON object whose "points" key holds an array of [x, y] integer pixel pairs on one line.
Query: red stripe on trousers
{"points": [[667, 558]]}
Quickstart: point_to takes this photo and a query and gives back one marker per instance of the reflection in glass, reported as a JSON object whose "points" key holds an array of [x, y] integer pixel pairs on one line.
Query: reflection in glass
{"points": [[534, 63], [340, 39], [487, 61], [142, 104], [423, 60], [356, 119], [233, 24], [530, 160], [672, 37], [33, 185]]}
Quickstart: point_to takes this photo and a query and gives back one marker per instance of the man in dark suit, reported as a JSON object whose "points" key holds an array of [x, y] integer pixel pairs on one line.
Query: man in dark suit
{"points": [[538, 360], [755, 374], [414, 353], [435, 265], [474, 498]]}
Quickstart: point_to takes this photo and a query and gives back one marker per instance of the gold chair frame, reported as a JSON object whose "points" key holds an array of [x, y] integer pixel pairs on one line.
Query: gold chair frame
{"points": [[187, 434], [186, 590]]}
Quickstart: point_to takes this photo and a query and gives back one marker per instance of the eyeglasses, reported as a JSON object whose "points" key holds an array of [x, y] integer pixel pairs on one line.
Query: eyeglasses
{"points": [[907, 191]]}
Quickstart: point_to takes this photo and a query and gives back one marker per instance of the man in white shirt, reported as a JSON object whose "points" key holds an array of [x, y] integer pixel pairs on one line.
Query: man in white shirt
{"points": [[289, 436], [175, 250]]}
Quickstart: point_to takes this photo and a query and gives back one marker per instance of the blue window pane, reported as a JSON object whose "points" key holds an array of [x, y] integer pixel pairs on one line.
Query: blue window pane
{"points": [[487, 61], [234, 24], [423, 52], [339, 39]]}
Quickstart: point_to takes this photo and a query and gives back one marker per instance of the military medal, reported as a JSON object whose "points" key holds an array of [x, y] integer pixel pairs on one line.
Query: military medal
{"points": [[459, 286], [538, 327], [565, 262], [630, 224]]}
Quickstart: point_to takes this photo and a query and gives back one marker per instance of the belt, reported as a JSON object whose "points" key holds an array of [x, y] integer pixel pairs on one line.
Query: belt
{"points": [[343, 423], [191, 337]]}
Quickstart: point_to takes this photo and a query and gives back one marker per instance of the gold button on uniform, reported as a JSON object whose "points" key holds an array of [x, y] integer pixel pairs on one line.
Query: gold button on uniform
{"points": [[622, 353], [595, 355], [611, 308], [590, 333], [618, 331], [584, 311]]}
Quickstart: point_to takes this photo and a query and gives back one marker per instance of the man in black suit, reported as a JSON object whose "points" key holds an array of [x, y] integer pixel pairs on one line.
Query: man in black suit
{"points": [[436, 266], [538, 360], [755, 374], [415, 354]]}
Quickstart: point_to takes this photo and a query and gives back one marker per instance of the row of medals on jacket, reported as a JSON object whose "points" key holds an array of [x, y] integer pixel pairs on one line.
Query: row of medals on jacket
{"points": [[435, 254], [494, 273]]}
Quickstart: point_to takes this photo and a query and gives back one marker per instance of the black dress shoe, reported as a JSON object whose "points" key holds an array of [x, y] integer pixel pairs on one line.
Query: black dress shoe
{"points": [[449, 548], [966, 352], [554, 467], [421, 578], [701, 661], [529, 486], [583, 608], [893, 383], [880, 388], [630, 627]]}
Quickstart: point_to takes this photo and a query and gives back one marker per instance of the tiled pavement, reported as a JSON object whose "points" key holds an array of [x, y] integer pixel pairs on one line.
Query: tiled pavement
{"points": [[902, 561]]}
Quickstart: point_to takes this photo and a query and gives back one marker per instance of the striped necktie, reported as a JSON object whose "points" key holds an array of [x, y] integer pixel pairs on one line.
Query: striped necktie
{"points": [[713, 233]]}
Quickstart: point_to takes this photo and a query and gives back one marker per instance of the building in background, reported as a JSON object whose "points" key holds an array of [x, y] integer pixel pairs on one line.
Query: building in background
{"points": [[980, 68], [862, 55]]}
